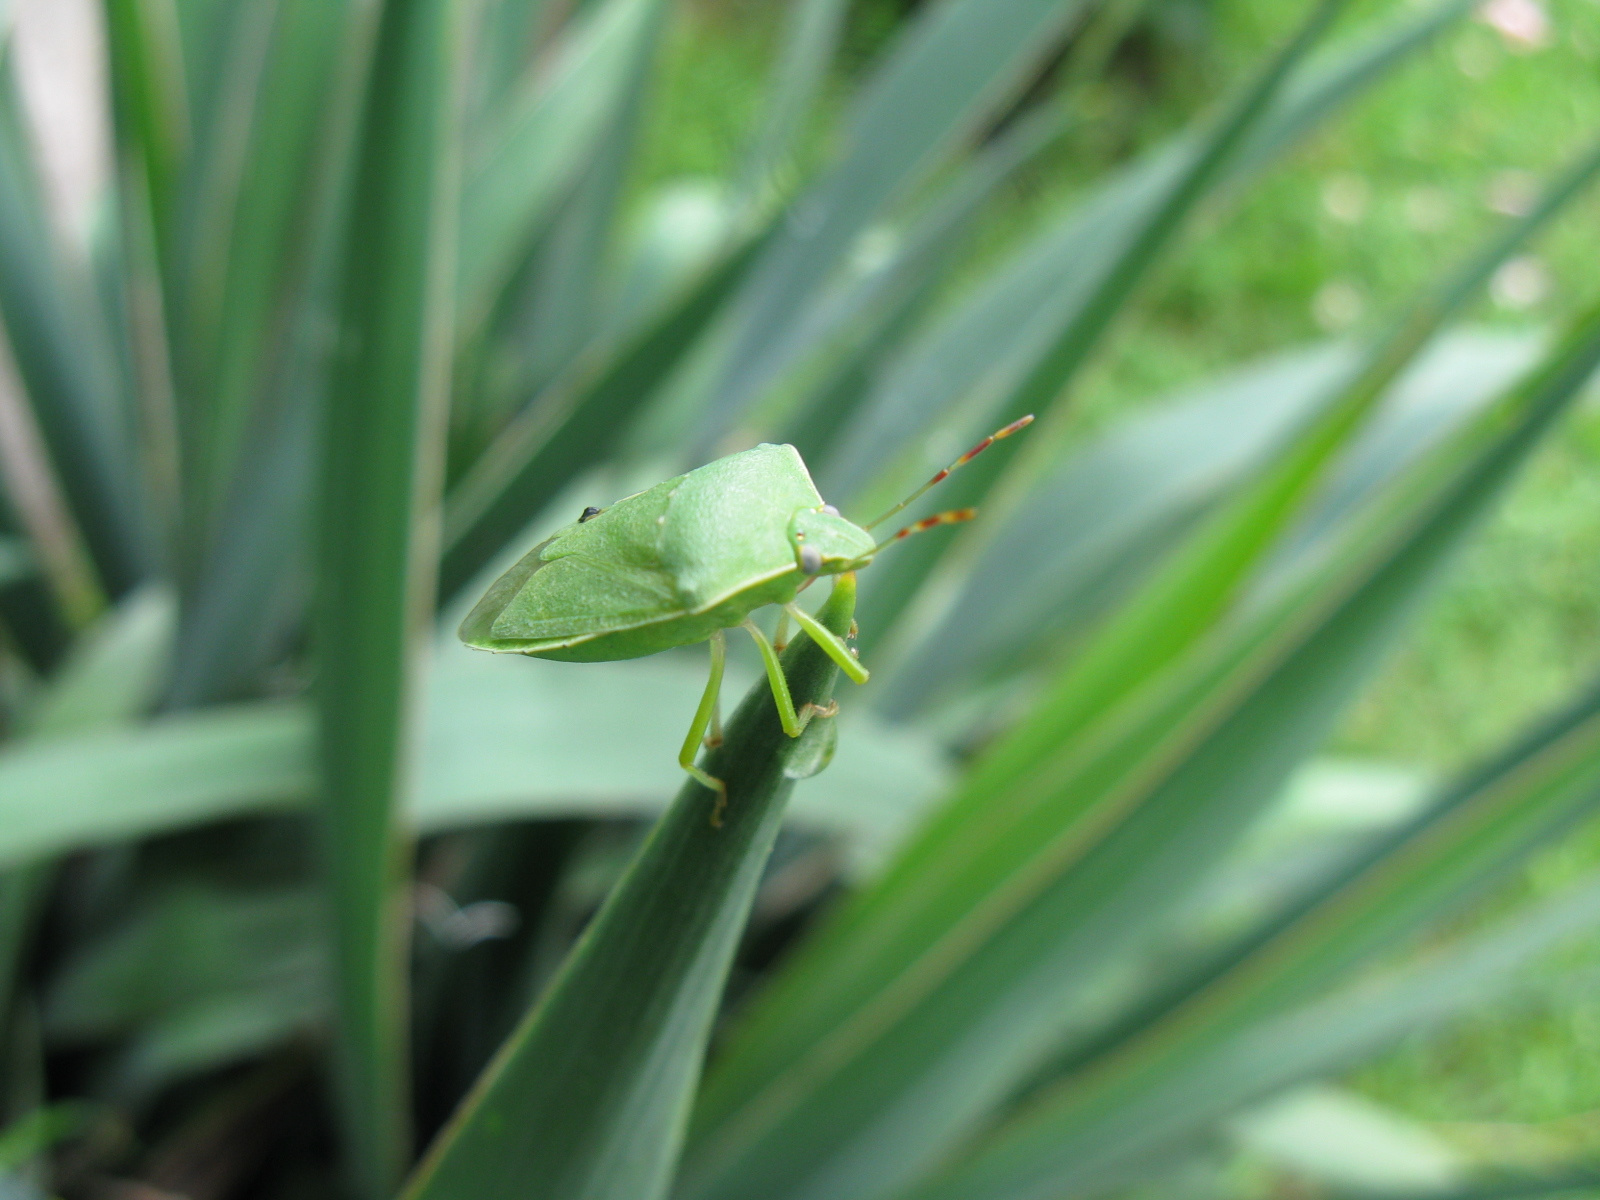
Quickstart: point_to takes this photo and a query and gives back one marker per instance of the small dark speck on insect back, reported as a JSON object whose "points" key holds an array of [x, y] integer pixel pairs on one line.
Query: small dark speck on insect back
{"points": [[589, 514]]}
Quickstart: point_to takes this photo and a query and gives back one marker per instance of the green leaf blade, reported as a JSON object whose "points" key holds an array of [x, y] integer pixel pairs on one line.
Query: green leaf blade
{"points": [[381, 451], [590, 1096]]}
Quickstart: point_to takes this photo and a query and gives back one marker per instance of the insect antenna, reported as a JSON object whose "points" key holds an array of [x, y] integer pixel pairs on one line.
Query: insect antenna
{"points": [[1021, 423], [954, 517]]}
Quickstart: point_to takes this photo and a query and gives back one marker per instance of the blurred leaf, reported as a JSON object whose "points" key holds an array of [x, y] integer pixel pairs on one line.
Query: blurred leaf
{"points": [[256, 187], [381, 458], [21, 898], [1509, 1186], [550, 442], [508, 37], [977, 355], [1469, 836], [196, 978], [114, 671], [1100, 521], [988, 938], [1030, 1158], [952, 68], [559, 305], [881, 309], [16, 561], [508, 739], [589, 1097], [68, 367], [1108, 270], [39, 1131], [262, 280], [810, 37], [1337, 1137], [1018, 343], [1379, 898], [541, 143], [1192, 590], [502, 741], [151, 108], [67, 793]]}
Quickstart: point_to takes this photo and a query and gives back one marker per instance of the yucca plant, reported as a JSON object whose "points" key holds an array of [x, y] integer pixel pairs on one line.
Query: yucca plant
{"points": [[377, 298]]}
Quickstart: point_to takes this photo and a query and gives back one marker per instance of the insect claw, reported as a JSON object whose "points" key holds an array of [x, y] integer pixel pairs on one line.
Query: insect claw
{"points": [[855, 631], [721, 806], [811, 712]]}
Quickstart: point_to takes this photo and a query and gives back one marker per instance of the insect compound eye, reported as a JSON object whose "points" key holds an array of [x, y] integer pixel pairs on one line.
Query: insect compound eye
{"points": [[589, 514], [830, 510], [810, 559]]}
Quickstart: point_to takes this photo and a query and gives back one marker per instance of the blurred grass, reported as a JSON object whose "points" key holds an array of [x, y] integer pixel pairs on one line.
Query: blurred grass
{"points": [[1355, 222]]}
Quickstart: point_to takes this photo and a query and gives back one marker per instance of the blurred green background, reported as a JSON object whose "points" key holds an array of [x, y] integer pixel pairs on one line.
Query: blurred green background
{"points": [[1347, 226], [1328, 245]]}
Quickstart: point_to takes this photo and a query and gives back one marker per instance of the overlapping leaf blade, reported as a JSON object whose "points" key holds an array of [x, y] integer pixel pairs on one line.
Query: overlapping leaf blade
{"points": [[1333, 1032], [540, 144], [950, 70], [589, 1097], [1189, 593], [971, 956], [1017, 344], [1110, 512], [381, 458], [69, 369], [1179, 1039]]}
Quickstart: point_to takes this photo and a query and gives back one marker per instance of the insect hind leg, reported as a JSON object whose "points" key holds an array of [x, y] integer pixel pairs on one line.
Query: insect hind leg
{"points": [[705, 716]]}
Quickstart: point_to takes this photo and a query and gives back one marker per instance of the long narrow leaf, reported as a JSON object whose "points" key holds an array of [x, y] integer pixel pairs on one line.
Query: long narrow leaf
{"points": [[809, 39], [540, 146], [497, 744], [1115, 267], [951, 69], [68, 369], [1019, 343], [246, 596], [380, 486], [973, 953], [1191, 592], [1465, 839], [996, 335], [1111, 512], [589, 1097], [1034, 1161]]}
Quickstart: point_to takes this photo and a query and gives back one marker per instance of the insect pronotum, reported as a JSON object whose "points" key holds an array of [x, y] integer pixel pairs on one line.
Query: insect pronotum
{"points": [[688, 560]]}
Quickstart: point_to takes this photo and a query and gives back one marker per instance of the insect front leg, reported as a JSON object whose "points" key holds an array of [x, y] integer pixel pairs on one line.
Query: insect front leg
{"points": [[707, 715], [832, 644], [794, 724]]}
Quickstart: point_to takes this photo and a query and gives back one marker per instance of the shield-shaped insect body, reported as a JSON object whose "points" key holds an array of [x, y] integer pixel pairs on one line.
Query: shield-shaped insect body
{"points": [[670, 566], [683, 562]]}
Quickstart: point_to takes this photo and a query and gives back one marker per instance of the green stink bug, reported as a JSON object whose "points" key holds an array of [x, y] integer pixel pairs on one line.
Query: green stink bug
{"points": [[683, 562]]}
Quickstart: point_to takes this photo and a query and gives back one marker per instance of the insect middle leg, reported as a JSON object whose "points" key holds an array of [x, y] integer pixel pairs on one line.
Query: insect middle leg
{"points": [[794, 724], [705, 716], [832, 644]]}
